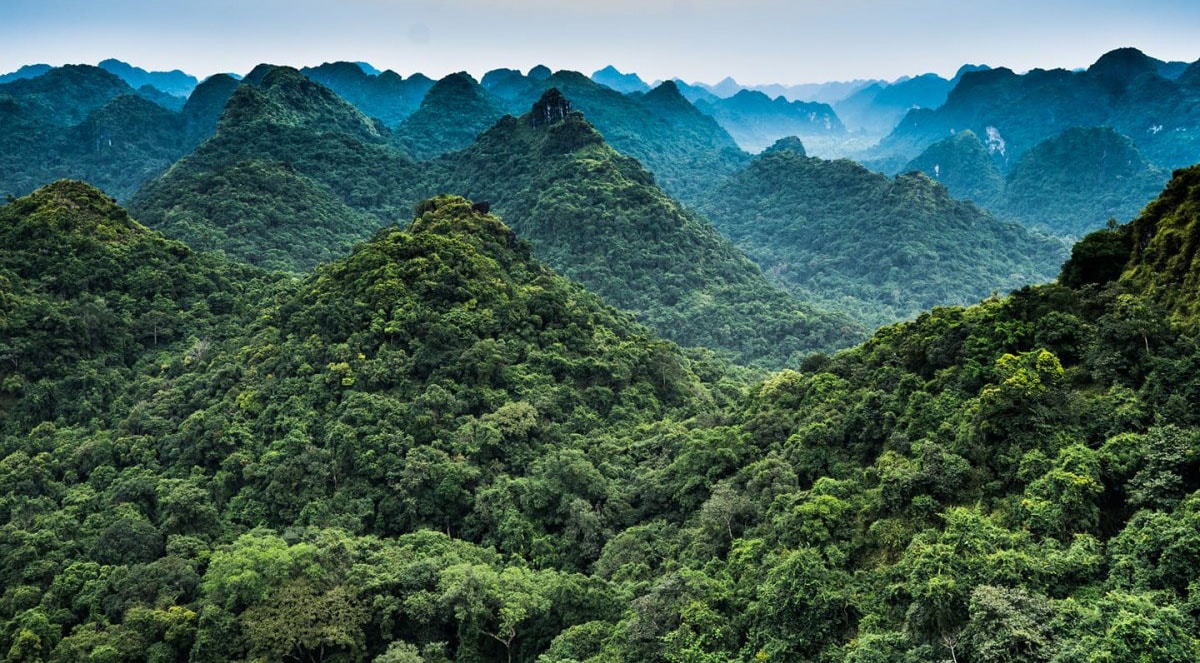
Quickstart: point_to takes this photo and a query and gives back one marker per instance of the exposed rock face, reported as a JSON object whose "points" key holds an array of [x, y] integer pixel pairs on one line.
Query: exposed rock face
{"points": [[552, 107]]}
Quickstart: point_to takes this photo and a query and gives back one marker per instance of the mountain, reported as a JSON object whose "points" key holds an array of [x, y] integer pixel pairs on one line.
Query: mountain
{"points": [[63, 96], [756, 121], [83, 122], [1123, 90], [88, 293], [436, 449], [877, 108], [382, 95], [175, 326], [725, 88], [174, 82], [686, 150], [512, 88], [26, 71], [1073, 183], [293, 175], [965, 167], [877, 248], [1067, 185], [598, 217], [205, 105], [454, 111], [611, 77], [829, 92]]}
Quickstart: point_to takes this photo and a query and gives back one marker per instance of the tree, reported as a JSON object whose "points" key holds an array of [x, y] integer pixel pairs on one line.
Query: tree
{"points": [[299, 622]]}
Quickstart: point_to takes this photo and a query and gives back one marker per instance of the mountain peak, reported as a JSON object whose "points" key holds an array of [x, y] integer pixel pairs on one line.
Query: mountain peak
{"points": [[551, 108], [73, 207], [787, 144], [611, 77], [540, 73]]}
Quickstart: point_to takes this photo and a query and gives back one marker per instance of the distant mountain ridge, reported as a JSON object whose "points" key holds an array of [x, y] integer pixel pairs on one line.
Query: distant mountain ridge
{"points": [[174, 82]]}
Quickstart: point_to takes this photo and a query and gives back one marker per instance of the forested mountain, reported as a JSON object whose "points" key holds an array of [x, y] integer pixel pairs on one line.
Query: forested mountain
{"points": [[83, 122], [879, 249], [25, 71], [1067, 185], [1125, 89], [65, 96], [686, 150], [454, 111], [598, 217], [385, 96], [963, 165], [435, 449], [756, 121], [1073, 183], [294, 176]]}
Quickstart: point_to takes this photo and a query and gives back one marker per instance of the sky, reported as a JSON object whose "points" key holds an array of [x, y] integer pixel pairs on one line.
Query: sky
{"points": [[754, 41]]}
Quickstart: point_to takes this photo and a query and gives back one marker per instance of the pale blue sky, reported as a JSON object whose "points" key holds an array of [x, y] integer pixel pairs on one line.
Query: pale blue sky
{"points": [[755, 41]]}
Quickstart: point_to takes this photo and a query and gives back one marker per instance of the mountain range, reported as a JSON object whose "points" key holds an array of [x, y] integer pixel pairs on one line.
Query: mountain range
{"points": [[435, 448]]}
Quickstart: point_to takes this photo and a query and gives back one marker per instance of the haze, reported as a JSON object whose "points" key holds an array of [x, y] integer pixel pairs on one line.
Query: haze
{"points": [[755, 41]]}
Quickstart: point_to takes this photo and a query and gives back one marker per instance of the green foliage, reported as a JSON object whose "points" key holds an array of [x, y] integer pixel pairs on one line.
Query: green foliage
{"points": [[437, 449], [454, 111], [878, 249], [598, 217], [294, 176]]}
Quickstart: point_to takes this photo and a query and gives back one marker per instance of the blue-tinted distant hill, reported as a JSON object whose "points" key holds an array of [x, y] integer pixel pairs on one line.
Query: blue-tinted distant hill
{"points": [[611, 77], [756, 121], [174, 82], [384, 95], [26, 71], [1125, 89], [876, 109]]}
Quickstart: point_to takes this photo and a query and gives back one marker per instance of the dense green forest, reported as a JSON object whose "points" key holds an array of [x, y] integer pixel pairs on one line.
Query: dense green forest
{"points": [[598, 217], [293, 176], [1068, 185], [876, 248], [436, 449]]}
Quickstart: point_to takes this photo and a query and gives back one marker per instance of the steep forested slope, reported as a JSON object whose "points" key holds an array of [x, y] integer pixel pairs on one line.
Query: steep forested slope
{"points": [[454, 111], [435, 449], [294, 175], [598, 217], [877, 248], [1069, 184], [687, 151]]}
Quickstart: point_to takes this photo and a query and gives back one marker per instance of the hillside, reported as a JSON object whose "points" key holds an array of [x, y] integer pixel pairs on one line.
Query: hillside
{"points": [[83, 122], [385, 96], [293, 176], [598, 217], [1067, 185], [454, 111], [1124, 89], [687, 151], [967, 169], [879, 249], [436, 449]]}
